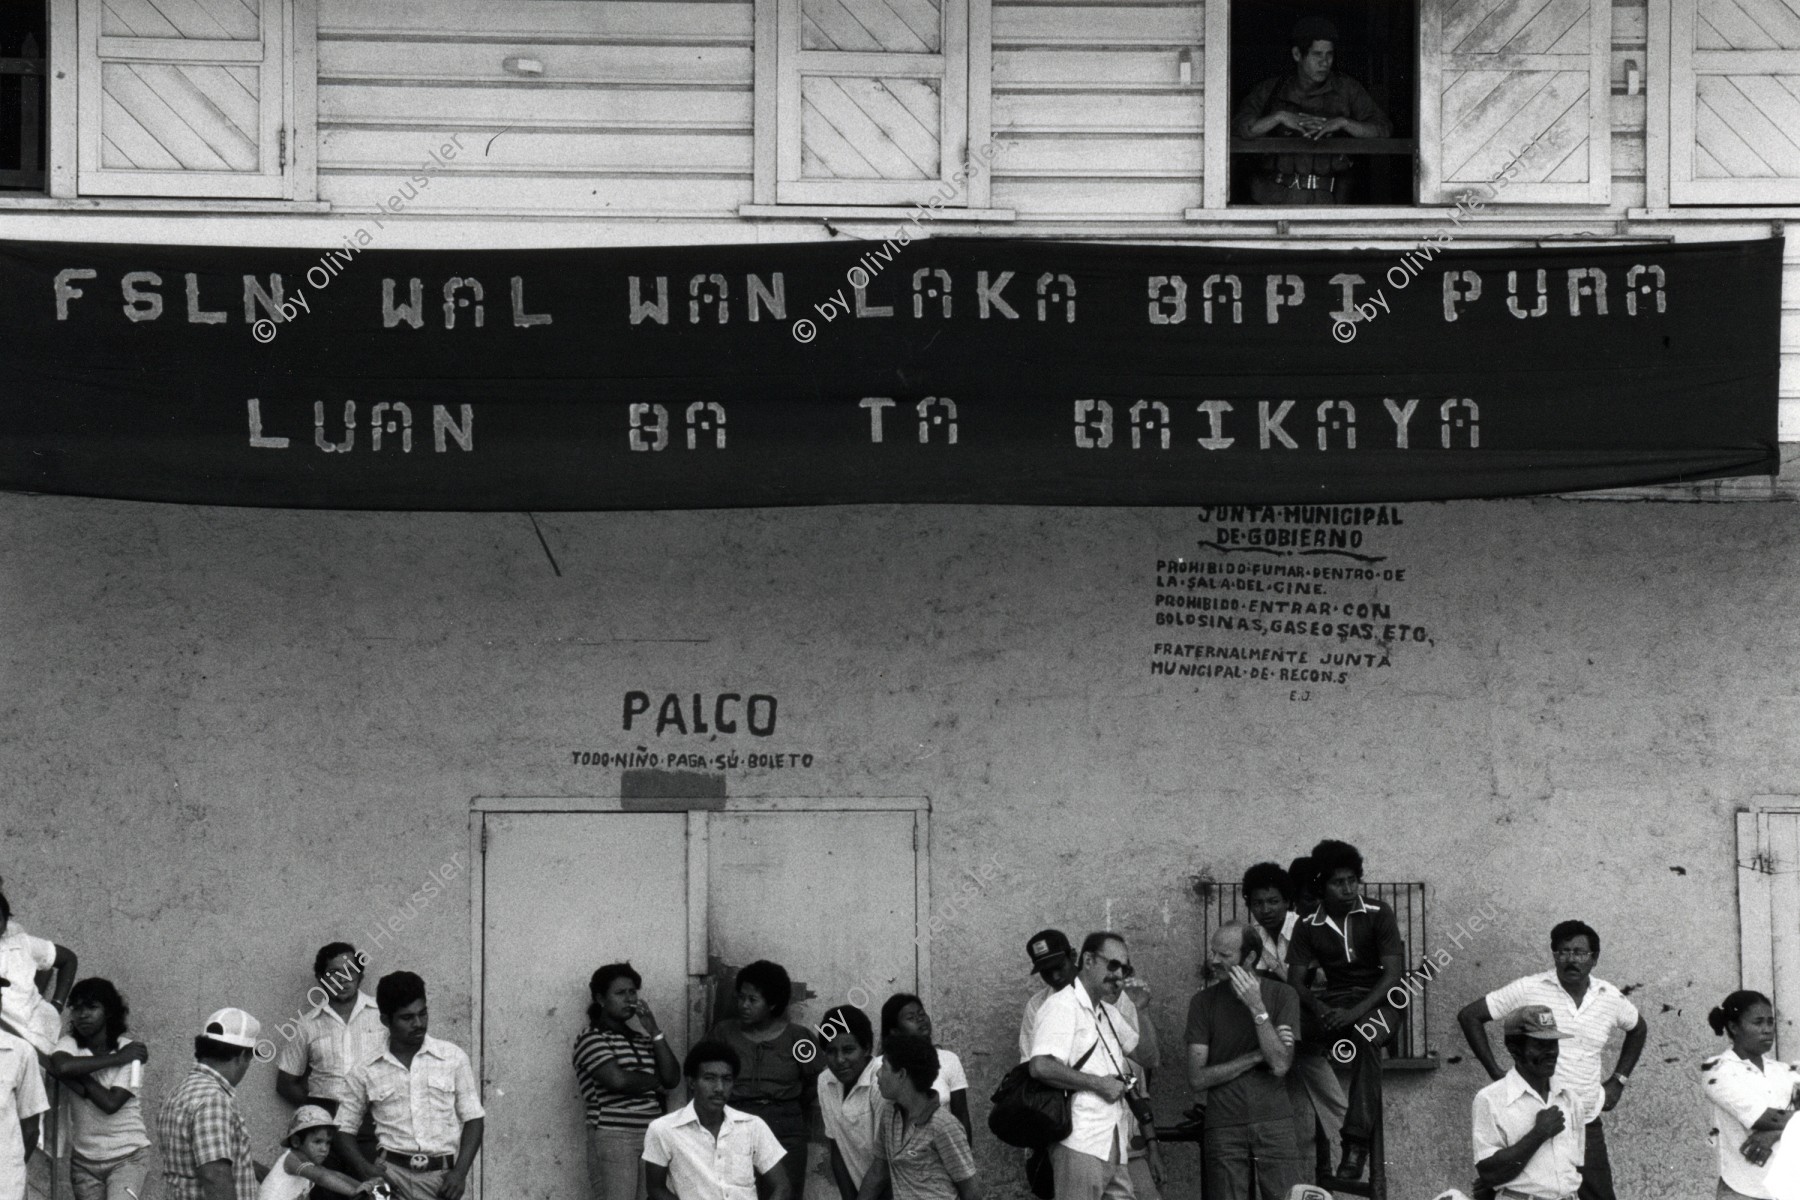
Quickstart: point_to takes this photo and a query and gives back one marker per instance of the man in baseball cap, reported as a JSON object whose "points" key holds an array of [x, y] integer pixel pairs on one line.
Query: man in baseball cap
{"points": [[1528, 1135], [1055, 962], [206, 1148]]}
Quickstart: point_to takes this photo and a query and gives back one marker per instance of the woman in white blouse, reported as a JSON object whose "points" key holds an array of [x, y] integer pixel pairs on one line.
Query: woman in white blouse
{"points": [[1752, 1095]]}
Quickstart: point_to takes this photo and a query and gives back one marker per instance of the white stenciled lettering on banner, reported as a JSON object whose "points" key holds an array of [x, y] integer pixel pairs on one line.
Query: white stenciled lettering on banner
{"points": [[1302, 598]]}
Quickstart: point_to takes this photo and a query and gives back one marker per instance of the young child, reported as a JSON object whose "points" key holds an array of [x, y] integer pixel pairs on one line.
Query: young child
{"points": [[294, 1173], [102, 1072]]}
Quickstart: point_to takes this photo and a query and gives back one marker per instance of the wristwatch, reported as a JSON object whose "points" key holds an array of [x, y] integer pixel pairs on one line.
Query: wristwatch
{"points": [[1621, 1076], [1260, 1017]]}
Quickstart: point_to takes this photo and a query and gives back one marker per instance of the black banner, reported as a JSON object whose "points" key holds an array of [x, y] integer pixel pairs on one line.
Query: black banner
{"points": [[968, 370]]}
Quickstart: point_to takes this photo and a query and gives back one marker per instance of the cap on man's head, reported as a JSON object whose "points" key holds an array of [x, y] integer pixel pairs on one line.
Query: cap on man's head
{"points": [[310, 1116], [1045, 947], [1533, 1021], [1308, 30], [233, 1027]]}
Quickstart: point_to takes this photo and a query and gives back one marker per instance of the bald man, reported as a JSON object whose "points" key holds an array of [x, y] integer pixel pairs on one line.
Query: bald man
{"points": [[1240, 1035]]}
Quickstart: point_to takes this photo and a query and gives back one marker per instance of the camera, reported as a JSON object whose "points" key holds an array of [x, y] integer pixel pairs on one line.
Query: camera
{"points": [[1140, 1108]]}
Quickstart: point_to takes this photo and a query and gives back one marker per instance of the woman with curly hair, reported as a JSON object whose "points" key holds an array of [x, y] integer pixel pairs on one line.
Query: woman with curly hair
{"points": [[780, 1062]]}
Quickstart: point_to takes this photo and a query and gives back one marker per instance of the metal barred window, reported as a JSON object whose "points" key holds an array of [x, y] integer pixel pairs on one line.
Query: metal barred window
{"points": [[1224, 902]]}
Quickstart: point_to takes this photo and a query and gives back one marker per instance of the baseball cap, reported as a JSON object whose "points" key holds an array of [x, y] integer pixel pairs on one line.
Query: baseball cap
{"points": [[1046, 946], [1307, 1191], [233, 1027], [1535, 1021], [309, 1116]]}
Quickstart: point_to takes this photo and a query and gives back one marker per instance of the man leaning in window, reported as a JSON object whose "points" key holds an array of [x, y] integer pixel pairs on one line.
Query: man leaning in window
{"points": [[1313, 102]]}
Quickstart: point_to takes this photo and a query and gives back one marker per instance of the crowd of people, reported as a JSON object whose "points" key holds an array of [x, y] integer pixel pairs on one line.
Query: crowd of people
{"points": [[1283, 1058]]}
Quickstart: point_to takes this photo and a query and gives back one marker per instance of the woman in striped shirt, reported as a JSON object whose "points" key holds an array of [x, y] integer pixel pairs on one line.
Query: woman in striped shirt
{"points": [[623, 1072]]}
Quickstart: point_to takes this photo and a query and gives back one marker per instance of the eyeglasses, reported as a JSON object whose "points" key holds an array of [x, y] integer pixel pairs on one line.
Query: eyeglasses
{"points": [[1570, 953], [1123, 970]]}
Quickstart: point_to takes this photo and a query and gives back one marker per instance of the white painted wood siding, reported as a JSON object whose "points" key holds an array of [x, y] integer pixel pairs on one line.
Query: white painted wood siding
{"points": [[641, 108], [1091, 111]]}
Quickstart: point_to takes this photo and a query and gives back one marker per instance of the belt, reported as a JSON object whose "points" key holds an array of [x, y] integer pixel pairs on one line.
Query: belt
{"points": [[1310, 182], [420, 1162]]}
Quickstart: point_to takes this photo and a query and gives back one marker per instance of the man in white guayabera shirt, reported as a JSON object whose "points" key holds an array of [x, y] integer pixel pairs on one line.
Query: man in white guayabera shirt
{"points": [[1589, 1009], [1081, 1042]]}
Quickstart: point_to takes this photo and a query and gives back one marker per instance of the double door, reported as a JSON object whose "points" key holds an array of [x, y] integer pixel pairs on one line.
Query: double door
{"points": [[835, 895]]}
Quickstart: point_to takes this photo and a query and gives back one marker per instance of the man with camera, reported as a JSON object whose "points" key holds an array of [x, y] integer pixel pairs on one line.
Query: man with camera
{"points": [[1240, 1035], [1080, 1042]]}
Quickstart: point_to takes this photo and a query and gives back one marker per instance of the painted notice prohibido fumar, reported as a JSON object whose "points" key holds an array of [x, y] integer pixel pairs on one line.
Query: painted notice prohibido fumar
{"points": [[979, 370]]}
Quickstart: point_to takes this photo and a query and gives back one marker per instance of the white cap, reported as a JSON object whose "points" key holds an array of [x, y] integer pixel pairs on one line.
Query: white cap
{"points": [[1450, 1194], [233, 1027], [1306, 1191]]}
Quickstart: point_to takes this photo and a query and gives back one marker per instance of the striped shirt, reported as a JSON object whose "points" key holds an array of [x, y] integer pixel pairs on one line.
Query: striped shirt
{"points": [[607, 1109], [926, 1161], [324, 1047], [1602, 1010], [199, 1124]]}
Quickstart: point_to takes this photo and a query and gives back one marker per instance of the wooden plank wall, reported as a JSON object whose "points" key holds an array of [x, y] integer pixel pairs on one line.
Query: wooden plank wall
{"points": [[643, 107], [1091, 109]]}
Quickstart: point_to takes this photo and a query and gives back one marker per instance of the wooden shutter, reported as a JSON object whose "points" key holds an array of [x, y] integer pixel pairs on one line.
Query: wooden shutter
{"points": [[1734, 96], [183, 98], [1525, 81], [872, 100]]}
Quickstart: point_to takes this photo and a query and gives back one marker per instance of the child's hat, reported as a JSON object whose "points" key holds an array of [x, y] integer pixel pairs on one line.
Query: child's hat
{"points": [[310, 1116]]}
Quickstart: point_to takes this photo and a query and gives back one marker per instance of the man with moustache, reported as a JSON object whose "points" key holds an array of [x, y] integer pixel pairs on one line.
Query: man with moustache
{"points": [[1589, 1009], [422, 1095], [320, 1047], [1080, 1042], [707, 1151]]}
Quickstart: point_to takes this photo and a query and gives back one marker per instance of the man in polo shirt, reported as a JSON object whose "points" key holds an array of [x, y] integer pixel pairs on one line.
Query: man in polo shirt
{"points": [[1590, 1010], [205, 1146], [1527, 1127], [22, 1101], [707, 1151], [319, 1049], [1240, 1035], [421, 1091], [1081, 1043], [1313, 1087], [1357, 942]]}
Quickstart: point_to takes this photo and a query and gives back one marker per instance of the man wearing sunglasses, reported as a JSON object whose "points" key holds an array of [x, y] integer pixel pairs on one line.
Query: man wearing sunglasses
{"points": [[1081, 1043], [1590, 1009]]}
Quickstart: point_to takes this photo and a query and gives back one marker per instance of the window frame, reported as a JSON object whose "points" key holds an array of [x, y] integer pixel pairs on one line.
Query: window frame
{"points": [[776, 106], [300, 117], [1430, 193]]}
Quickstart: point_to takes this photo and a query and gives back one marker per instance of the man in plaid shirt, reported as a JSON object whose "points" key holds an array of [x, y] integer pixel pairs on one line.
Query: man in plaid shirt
{"points": [[206, 1148]]}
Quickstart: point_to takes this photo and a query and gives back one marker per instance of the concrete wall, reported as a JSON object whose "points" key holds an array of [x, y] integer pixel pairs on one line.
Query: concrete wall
{"points": [[230, 735]]}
